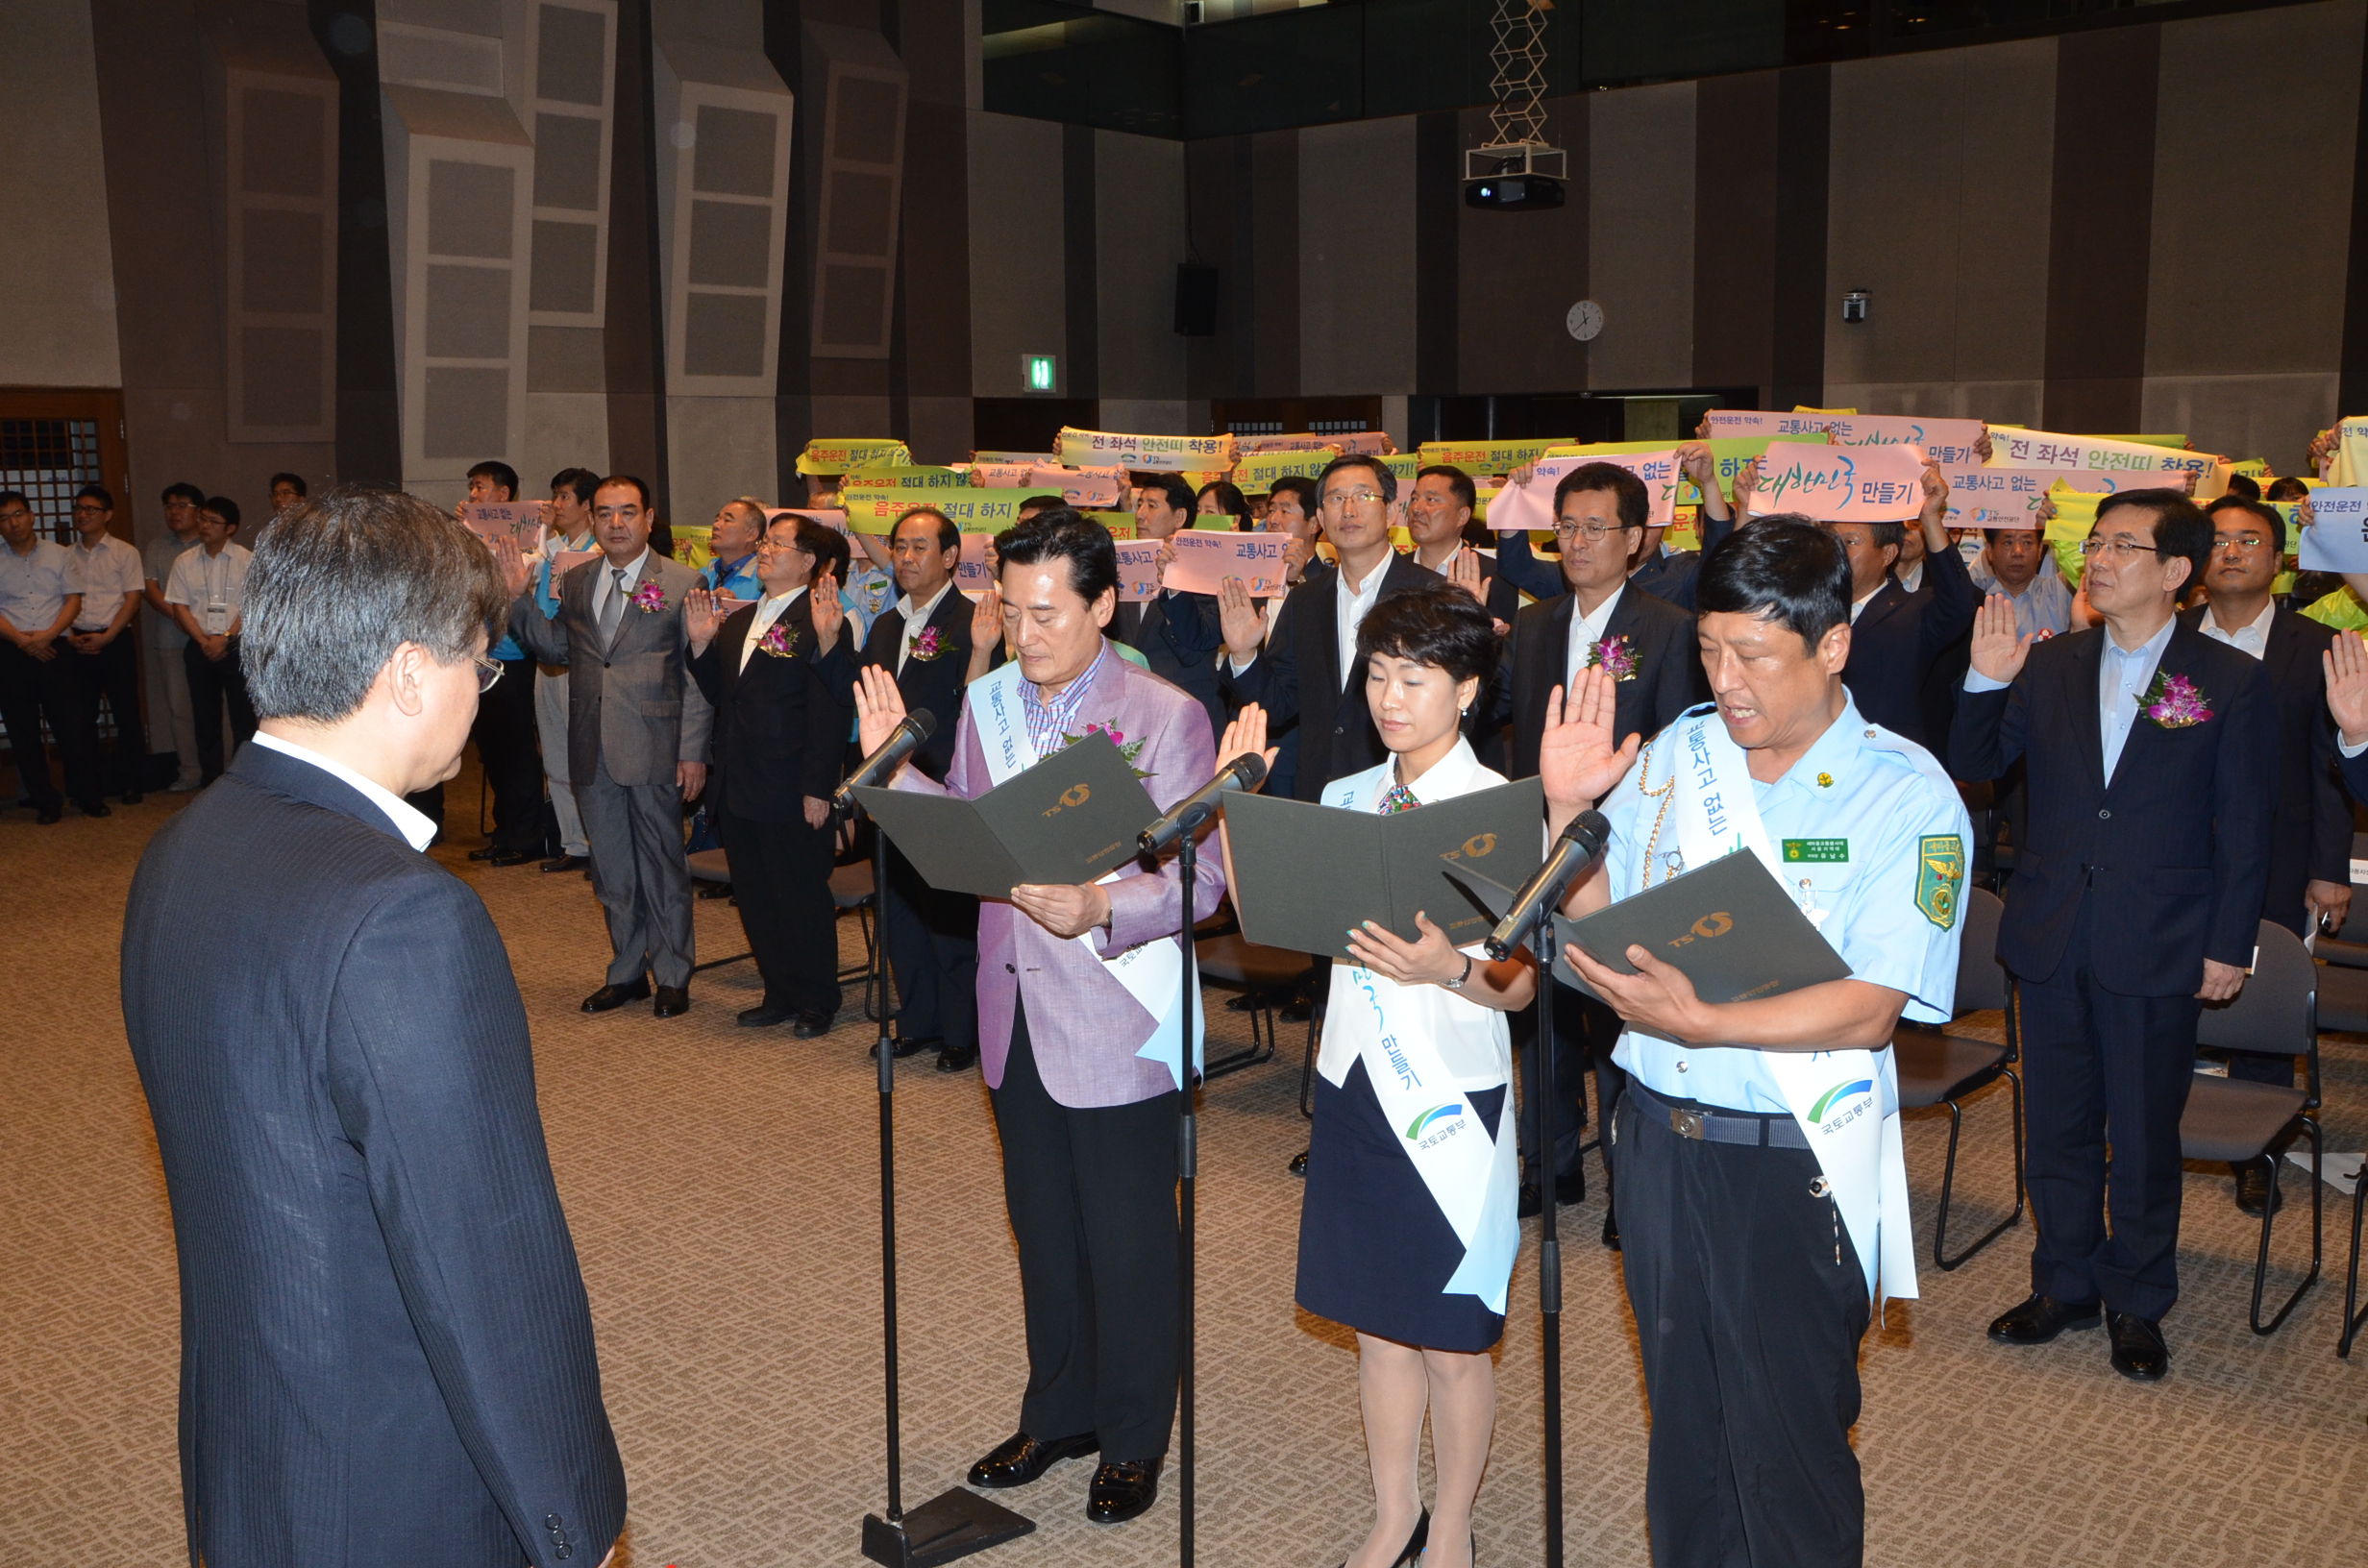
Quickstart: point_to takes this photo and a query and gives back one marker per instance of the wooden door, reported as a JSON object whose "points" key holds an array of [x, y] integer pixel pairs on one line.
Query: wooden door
{"points": [[53, 441]]}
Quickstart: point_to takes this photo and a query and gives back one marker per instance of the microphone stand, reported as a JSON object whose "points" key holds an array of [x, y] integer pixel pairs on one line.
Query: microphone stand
{"points": [[1549, 1244], [956, 1522], [1187, 1169]]}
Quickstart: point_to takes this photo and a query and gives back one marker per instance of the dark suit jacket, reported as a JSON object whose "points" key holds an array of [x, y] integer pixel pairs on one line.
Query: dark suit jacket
{"points": [[935, 684], [1899, 637], [1298, 680], [781, 724], [2310, 826], [385, 1352], [1181, 642], [1500, 593], [1664, 577], [1669, 676], [626, 707], [2175, 849]]}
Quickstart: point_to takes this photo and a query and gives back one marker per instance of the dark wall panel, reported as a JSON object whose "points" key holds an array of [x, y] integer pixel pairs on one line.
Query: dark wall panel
{"points": [[1804, 122], [1438, 324], [1517, 273], [2099, 225], [1735, 231], [1080, 260], [633, 343]]}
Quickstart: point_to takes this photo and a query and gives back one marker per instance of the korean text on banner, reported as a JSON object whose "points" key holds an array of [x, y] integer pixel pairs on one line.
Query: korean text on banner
{"points": [[907, 478], [506, 524], [2009, 498], [835, 520], [1535, 501], [2337, 538], [1370, 443], [1490, 456], [1204, 558], [2350, 466], [1155, 454], [971, 574], [695, 547], [825, 457], [973, 510], [1138, 570], [1257, 472], [1842, 484], [2043, 449], [1078, 486], [1944, 441]]}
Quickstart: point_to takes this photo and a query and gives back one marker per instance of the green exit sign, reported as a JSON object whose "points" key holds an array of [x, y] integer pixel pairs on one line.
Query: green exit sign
{"points": [[1040, 372]]}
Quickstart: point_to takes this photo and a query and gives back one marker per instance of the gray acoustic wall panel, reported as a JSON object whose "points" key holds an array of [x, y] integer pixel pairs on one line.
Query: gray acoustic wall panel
{"points": [[861, 169], [725, 120]]}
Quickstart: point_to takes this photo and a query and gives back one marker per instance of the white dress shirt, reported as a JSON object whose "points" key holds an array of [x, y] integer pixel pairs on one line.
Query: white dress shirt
{"points": [[916, 617], [214, 587], [415, 828], [1351, 606], [1858, 604], [605, 583], [768, 610], [1910, 577], [2250, 638], [1586, 631], [106, 576], [34, 587]]}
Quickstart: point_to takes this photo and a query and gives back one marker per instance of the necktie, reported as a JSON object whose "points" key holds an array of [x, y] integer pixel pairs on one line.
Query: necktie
{"points": [[614, 610], [1399, 798]]}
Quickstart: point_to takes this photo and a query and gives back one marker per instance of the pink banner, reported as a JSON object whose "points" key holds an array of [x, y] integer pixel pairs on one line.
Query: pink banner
{"points": [[1842, 484], [1080, 487], [506, 524], [1137, 569], [971, 574], [1205, 557], [1532, 508]]}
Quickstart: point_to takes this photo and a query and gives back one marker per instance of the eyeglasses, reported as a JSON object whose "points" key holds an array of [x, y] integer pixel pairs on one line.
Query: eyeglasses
{"points": [[2240, 547], [1592, 532], [2122, 549], [488, 671], [1339, 499]]}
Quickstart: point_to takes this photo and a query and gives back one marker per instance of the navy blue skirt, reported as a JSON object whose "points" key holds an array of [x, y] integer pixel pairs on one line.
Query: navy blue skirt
{"points": [[1374, 1251]]}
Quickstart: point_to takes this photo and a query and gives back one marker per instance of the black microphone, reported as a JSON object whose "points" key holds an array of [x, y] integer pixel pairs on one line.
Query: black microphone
{"points": [[903, 741], [1246, 772], [1581, 843]]}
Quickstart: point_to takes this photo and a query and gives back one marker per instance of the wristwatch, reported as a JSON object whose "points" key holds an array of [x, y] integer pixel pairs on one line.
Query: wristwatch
{"points": [[1458, 983]]}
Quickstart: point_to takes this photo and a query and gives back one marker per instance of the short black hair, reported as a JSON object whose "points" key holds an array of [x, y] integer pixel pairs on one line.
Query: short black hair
{"points": [[1893, 534], [1178, 494], [500, 473], [640, 488], [296, 482], [1033, 504], [1627, 491], [1990, 535], [1383, 480], [1064, 534], [825, 544], [1467, 494], [1783, 568], [183, 491], [222, 506], [1311, 501], [1229, 498], [98, 493], [14, 498], [2266, 516], [581, 482], [2288, 488], [1436, 623], [2245, 486], [2180, 527], [949, 535]]}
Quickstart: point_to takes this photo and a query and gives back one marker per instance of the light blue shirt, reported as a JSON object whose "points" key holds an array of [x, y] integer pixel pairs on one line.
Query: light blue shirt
{"points": [[739, 579], [1866, 822], [2122, 680], [2044, 605]]}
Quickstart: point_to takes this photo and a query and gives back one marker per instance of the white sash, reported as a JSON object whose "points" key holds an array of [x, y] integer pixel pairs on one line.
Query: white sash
{"points": [[1471, 1178], [1151, 973], [1836, 1097]]}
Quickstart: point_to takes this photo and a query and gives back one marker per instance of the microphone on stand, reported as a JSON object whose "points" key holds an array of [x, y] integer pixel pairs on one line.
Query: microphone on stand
{"points": [[1246, 772], [903, 741], [1578, 847]]}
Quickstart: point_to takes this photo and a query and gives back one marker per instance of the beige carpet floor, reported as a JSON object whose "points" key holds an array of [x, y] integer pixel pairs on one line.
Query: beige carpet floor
{"points": [[723, 1188]]}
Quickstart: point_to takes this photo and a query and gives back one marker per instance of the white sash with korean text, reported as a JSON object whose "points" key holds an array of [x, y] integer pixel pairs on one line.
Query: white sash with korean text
{"points": [[1151, 972], [1836, 1097]]}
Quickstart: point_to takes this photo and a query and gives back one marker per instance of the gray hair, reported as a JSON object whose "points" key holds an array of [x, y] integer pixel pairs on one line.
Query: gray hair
{"points": [[339, 582]]}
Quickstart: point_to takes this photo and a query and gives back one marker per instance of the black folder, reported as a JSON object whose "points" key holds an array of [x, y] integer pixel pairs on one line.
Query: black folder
{"points": [[1070, 819], [1728, 926], [1306, 875]]}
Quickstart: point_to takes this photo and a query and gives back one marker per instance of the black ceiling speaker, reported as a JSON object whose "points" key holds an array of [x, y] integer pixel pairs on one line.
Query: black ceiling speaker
{"points": [[1196, 300]]}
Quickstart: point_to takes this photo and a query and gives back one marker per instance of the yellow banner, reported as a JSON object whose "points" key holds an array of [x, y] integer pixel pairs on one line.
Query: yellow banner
{"points": [[973, 510], [2351, 464], [1257, 471], [695, 547], [1803, 408], [2173, 441], [1121, 525], [1730, 452], [1498, 458], [1162, 454], [830, 456], [904, 478]]}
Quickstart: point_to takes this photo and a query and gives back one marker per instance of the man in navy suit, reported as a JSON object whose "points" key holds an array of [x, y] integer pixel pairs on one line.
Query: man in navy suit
{"points": [[386, 1355], [1898, 635], [2153, 770]]}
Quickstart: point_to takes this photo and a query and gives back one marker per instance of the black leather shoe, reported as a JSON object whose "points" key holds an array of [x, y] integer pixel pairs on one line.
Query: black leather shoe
{"points": [[764, 1018], [1020, 1459], [609, 997], [1299, 1164], [488, 852], [568, 863], [2254, 1191], [510, 857], [1122, 1490], [1297, 1010], [715, 890], [900, 1047], [1610, 1228], [957, 1058], [95, 807], [1569, 1191], [813, 1025], [2041, 1319], [673, 1001], [2138, 1351]]}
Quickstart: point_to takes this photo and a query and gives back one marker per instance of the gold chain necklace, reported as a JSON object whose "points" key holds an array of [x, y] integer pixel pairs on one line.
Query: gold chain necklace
{"points": [[1667, 794]]}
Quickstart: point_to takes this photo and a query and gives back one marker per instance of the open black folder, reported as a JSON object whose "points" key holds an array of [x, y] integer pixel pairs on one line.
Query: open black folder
{"points": [[1070, 819], [1729, 926], [1307, 873]]}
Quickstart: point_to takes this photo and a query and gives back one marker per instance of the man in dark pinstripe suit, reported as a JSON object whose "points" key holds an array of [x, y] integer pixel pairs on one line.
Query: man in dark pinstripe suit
{"points": [[386, 1352]]}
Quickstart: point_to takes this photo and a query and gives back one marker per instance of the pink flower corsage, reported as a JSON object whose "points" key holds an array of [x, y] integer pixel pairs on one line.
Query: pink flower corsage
{"points": [[928, 645], [1615, 655], [779, 641], [1127, 750], [649, 599], [2174, 703]]}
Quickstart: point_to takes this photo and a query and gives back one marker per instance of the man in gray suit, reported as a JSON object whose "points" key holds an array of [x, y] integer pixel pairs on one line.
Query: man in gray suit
{"points": [[636, 738], [386, 1356]]}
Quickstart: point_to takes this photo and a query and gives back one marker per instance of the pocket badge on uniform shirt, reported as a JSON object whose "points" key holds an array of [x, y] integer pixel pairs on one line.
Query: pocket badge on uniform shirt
{"points": [[1941, 869]]}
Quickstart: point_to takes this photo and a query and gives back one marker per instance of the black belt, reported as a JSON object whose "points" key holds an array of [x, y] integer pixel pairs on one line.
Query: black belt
{"points": [[1781, 1131]]}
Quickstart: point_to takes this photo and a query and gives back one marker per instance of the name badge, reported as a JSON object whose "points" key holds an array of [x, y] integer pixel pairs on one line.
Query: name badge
{"points": [[1809, 851], [215, 617]]}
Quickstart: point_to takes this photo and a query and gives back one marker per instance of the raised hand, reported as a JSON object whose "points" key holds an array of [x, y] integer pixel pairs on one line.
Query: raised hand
{"points": [[987, 619], [1245, 735], [829, 614], [1695, 460], [2346, 664], [1297, 553], [516, 572], [701, 619], [1746, 480], [1577, 762], [1238, 616], [1935, 494], [1982, 447], [880, 707], [1161, 561], [1998, 651], [1463, 571]]}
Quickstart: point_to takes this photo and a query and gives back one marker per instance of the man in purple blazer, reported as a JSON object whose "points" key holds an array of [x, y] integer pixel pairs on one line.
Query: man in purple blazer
{"points": [[1075, 987]]}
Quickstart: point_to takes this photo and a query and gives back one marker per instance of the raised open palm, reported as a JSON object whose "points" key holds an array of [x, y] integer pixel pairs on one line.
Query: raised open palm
{"points": [[1577, 760], [1998, 651]]}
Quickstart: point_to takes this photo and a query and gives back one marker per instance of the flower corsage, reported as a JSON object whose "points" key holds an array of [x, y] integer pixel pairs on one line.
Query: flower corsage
{"points": [[779, 640], [1614, 654], [928, 645], [2173, 703], [649, 599]]}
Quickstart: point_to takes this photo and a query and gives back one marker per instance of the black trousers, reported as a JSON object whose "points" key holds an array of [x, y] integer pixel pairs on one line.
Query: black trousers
{"points": [[32, 689], [1585, 1032], [933, 949], [213, 682], [508, 749], [1092, 1197], [780, 876], [2103, 1067], [111, 676], [1749, 1304]]}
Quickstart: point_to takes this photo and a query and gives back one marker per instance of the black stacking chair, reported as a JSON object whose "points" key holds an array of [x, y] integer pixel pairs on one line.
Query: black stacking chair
{"points": [[1937, 1068], [2344, 953], [2351, 1316], [850, 887], [712, 867], [2227, 1120]]}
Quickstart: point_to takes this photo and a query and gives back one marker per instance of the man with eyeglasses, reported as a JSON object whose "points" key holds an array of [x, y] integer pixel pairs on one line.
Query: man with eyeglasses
{"points": [[2153, 756], [2309, 883], [504, 733], [105, 661], [2016, 562], [1436, 514], [1898, 637], [165, 638]]}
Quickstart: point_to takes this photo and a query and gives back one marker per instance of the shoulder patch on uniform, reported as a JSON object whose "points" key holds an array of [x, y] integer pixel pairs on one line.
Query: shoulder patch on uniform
{"points": [[1941, 869]]}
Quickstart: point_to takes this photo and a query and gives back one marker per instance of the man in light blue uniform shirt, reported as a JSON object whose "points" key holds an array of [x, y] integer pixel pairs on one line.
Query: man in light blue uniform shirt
{"points": [[738, 525], [1741, 1270]]}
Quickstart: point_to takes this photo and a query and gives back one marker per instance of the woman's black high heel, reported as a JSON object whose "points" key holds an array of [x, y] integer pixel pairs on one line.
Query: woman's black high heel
{"points": [[1415, 1543]]}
